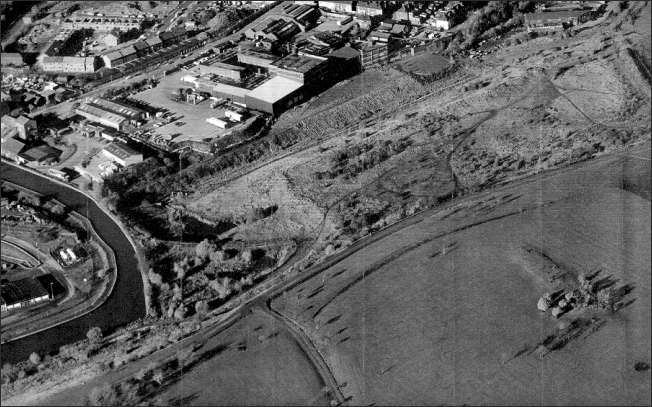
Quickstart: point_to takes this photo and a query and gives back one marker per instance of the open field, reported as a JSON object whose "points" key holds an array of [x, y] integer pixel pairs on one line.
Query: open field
{"points": [[271, 370], [13, 253], [439, 312]]}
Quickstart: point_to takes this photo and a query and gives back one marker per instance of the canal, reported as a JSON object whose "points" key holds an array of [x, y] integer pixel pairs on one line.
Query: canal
{"points": [[125, 304]]}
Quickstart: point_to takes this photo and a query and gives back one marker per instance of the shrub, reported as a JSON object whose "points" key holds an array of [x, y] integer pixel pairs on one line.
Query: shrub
{"points": [[94, 335], [104, 395], [35, 358]]}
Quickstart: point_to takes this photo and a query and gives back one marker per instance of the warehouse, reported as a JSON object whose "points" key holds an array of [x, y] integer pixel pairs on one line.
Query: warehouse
{"points": [[275, 95], [11, 59], [122, 154], [41, 154], [301, 68], [22, 293], [132, 113], [68, 64], [250, 56], [233, 72], [108, 119]]}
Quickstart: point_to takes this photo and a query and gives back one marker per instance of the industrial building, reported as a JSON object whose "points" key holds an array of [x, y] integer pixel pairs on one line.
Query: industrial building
{"points": [[235, 73], [43, 153], [21, 293], [250, 56], [122, 154], [129, 112], [103, 23], [11, 59], [275, 95], [68, 64], [373, 54], [25, 127], [555, 20], [368, 8], [11, 149], [337, 6], [301, 68], [101, 116]]}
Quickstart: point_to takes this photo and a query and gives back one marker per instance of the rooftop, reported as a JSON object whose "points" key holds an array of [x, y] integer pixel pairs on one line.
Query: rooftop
{"points": [[552, 15], [12, 145], [14, 292], [275, 89], [299, 63], [40, 153], [120, 150], [345, 52], [101, 113]]}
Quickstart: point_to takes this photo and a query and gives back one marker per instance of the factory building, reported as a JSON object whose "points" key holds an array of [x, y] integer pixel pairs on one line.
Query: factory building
{"points": [[235, 73], [11, 59], [104, 23], [251, 56], [101, 116], [275, 95], [337, 6], [24, 126], [68, 64], [22, 293], [301, 68], [373, 54], [122, 154], [129, 112]]}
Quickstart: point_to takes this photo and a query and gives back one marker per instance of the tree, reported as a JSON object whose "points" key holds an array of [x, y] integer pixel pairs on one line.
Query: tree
{"points": [[35, 358], [204, 249], [180, 268], [104, 395], [180, 312], [9, 373], [201, 308], [94, 335], [154, 277], [158, 377]]}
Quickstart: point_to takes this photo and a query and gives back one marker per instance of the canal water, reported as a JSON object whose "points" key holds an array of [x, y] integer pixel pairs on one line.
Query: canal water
{"points": [[125, 304]]}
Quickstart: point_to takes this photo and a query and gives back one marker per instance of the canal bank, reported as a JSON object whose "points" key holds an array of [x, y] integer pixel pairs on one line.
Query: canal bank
{"points": [[127, 300]]}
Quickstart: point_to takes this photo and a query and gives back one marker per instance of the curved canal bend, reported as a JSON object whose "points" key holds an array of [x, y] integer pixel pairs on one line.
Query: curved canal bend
{"points": [[126, 302]]}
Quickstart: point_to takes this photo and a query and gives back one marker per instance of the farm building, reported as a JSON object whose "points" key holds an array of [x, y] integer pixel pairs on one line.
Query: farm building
{"points": [[22, 293], [275, 95], [122, 154]]}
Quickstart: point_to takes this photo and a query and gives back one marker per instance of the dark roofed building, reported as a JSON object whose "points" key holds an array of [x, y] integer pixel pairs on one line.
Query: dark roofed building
{"points": [[301, 68], [22, 293], [41, 154], [345, 62]]}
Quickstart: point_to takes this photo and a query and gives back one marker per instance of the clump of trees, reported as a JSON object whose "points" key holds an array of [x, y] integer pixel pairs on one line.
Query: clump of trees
{"points": [[353, 160], [493, 19]]}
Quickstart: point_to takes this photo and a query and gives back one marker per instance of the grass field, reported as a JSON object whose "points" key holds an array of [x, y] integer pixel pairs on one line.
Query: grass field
{"points": [[438, 312], [271, 369], [18, 255]]}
